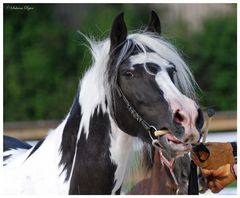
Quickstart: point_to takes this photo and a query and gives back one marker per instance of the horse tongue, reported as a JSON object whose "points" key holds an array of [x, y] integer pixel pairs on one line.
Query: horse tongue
{"points": [[172, 138]]}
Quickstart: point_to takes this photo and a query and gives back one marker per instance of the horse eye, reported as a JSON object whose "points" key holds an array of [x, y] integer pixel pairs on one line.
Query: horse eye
{"points": [[128, 74], [174, 70], [171, 72]]}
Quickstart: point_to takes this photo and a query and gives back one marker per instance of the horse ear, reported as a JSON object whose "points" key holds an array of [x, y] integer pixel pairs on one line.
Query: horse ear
{"points": [[119, 31], [154, 24]]}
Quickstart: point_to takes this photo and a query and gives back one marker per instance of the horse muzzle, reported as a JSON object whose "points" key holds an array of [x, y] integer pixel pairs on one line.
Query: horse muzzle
{"points": [[173, 146]]}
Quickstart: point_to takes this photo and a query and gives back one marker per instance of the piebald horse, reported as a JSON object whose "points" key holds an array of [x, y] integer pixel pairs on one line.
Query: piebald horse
{"points": [[137, 83]]}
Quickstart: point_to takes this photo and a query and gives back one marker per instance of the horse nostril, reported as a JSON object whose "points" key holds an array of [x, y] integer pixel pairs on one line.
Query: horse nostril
{"points": [[178, 117], [189, 139], [186, 140]]}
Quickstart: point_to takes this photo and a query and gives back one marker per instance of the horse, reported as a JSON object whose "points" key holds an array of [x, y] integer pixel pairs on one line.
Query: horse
{"points": [[137, 84]]}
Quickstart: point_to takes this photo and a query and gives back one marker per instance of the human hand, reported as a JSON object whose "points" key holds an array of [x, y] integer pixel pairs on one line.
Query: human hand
{"points": [[220, 154], [218, 179]]}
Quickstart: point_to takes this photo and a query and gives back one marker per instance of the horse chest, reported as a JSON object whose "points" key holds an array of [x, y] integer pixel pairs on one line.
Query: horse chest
{"points": [[93, 172], [98, 169], [100, 158], [34, 177]]}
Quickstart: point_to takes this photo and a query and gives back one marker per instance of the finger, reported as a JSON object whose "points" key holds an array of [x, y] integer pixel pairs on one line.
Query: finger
{"points": [[210, 184], [206, 172], [221, 171], [216, 189]]}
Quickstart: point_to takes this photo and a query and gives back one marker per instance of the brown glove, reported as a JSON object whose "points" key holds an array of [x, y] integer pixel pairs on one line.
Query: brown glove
{"points": [[220, 154], [218, 179]]}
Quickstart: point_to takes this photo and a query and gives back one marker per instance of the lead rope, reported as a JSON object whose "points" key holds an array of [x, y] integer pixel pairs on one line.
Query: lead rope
{"points": [[164, 161], [169, 164], [210, 113], [193, 188]]}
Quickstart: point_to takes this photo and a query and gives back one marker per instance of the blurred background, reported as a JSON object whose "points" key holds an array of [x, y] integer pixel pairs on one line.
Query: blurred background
{"points": [[44, 58]]}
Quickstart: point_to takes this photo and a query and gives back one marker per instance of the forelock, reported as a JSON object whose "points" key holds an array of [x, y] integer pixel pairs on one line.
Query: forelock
{"points": [[143, 43], [146, 42]]}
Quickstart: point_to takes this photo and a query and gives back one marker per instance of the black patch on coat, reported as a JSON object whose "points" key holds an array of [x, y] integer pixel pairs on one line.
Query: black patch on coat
{"points": [[13, 143], [36, 147], [69, 137], [94, 171], [118, 191], [5, 158], [106, 102]]}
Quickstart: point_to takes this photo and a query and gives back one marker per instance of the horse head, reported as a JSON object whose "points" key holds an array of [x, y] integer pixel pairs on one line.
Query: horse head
{"points": [[152, 88]]}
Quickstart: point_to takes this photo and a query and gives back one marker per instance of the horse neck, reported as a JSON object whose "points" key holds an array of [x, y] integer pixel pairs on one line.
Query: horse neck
{"points": [[94, 150]]}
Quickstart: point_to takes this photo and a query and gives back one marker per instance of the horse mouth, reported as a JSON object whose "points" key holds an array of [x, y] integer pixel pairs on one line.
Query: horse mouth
{"points": [[173, 146]]}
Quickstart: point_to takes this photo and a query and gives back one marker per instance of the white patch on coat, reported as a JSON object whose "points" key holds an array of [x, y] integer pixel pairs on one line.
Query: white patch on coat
{"points": [[40, 173], [174, 97], [92, 95], [93, 85], [121, 146], [149, 57], [164, 82], [13, 154]]}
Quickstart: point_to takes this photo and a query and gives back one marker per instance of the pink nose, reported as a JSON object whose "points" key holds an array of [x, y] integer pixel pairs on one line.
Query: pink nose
{"points": [[185, 114]]}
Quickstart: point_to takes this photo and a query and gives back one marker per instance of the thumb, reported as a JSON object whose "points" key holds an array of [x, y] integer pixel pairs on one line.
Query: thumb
{"points": [[206, 172]]}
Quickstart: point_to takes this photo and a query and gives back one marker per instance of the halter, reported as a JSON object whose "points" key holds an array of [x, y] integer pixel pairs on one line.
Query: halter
{"points": [[150, 128]]}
